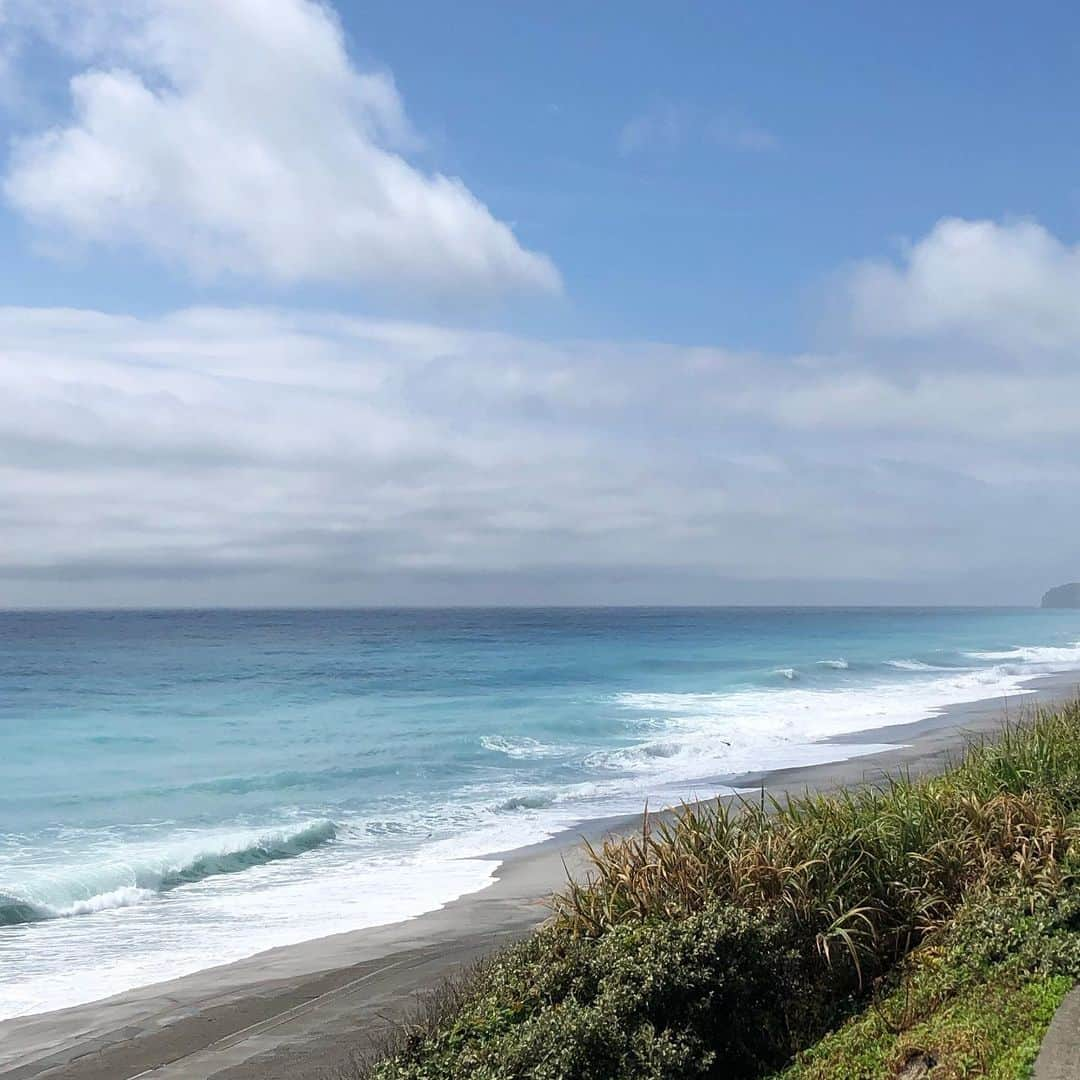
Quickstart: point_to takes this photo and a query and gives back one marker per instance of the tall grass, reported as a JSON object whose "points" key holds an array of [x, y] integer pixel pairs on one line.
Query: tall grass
{"points": [[720, 942], [869, 871]]}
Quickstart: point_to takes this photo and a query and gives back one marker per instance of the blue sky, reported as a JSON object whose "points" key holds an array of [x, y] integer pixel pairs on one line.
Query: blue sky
{"points": [[632, 303], [883, 120]]}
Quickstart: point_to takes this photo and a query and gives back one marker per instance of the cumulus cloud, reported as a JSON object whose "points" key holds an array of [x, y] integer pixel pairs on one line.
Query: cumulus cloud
{"points": [[240, 139], [262, 456], [1011, 287]]}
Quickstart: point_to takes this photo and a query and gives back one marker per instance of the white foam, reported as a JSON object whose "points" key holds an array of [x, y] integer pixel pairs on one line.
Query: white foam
{"points": [[231, 918], [788, 673], [520, 747], [703, 734], [1038, 658], [839, 665], [117, 871], [125, 896], [690, 739]]}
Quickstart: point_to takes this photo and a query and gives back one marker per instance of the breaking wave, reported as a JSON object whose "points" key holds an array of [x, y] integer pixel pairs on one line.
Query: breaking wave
{"points": [[521, 748], [912, 665], [1040, 656], [722, 734], [65, 897], [525, 802]]}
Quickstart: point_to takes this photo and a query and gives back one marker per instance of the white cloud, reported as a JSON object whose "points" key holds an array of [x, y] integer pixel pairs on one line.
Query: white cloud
{"points": [[254, 456], [1012, 287], [239, 139]]}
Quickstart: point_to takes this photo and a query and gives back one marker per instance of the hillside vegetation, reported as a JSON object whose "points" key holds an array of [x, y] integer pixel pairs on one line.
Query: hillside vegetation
{"points": [[920, 928]]}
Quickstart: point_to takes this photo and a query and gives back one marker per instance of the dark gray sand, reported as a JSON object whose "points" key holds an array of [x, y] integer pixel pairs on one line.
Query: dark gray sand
{"points": [[303, 1012]]}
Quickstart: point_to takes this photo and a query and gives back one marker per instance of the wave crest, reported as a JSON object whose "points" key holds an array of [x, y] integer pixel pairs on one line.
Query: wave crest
{"points": [[265, 850], [521, 748], [1051, 655], [525, 802], [68, 898], [912, 665]]}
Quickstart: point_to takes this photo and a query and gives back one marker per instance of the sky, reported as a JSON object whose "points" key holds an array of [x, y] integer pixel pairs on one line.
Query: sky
{"points": [[313, 304]]}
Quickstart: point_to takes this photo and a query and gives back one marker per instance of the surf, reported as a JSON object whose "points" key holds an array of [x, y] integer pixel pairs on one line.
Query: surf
{"points": [[149, 877]]}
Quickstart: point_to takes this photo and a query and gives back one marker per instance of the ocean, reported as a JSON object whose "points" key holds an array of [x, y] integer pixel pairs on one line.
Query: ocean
{"points": [[183, 788]]}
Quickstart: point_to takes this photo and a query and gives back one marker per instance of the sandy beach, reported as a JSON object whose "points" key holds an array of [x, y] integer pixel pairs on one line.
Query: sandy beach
{"points": [[306, 1011]]}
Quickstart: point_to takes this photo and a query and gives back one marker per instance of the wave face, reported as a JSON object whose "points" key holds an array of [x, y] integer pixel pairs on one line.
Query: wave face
{"points": [[181, 789], [264, 850], [152, 874], [15, 910]]}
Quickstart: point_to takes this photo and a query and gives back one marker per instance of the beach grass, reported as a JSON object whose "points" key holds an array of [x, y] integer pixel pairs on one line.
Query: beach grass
{"points": [[860, 934], [973, 1001]]}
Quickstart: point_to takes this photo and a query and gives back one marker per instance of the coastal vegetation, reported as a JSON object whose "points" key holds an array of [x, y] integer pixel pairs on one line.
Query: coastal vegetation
{"points": [[922, 927]]}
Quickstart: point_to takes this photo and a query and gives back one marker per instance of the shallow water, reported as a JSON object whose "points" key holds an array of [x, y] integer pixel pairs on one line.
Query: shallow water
{"points": [[179, 789]]}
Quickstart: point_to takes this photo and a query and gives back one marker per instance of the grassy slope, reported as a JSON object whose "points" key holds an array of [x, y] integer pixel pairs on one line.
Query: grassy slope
{"points": [[929, 925], [975, 1003], [990, 1029]]}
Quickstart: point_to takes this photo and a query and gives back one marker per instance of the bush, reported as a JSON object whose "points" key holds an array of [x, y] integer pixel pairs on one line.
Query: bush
{"points": [[722, 992], [723, 943], [975, 1000]]}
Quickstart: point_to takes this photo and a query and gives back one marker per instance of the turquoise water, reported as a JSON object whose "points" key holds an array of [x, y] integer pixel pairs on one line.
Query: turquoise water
{"points": [[178, 789]]}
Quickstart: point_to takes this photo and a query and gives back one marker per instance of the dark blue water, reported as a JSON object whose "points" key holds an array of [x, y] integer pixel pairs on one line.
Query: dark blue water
{"points": [[182, 788]]}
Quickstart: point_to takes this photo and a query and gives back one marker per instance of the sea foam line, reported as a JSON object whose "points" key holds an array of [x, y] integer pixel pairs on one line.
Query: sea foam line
{"points": [[721, 734]]}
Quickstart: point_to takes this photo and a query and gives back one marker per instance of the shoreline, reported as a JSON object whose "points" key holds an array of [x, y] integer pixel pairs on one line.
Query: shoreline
{"points": [[302, 1011]]}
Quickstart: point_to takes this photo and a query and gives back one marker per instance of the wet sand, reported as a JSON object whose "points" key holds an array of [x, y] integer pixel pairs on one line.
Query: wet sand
{"points": [[304, 1012]]}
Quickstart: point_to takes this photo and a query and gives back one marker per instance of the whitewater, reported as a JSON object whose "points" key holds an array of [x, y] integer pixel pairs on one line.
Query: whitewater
{"points": [[182, 789]]}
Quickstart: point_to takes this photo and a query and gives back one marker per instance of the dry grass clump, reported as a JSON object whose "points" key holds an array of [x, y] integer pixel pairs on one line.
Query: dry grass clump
{"points": [[868, 871]]}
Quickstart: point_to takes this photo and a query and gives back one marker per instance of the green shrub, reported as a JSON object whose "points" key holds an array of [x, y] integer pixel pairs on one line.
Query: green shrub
{"points": [[721, 992], [721, 944], [975, 1000]]}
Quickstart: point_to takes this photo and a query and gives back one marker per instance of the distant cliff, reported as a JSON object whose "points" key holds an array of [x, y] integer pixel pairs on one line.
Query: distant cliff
{"points": [[1063, 596]]}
